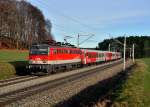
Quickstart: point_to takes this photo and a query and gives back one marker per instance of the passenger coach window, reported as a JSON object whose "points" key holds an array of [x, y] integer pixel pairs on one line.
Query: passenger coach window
{"points": [[59, 51], [55, 51], [65, 51], [70, 51]]}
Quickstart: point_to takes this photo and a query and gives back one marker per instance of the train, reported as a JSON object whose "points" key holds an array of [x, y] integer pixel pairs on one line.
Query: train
{"points": [[44, 58]]}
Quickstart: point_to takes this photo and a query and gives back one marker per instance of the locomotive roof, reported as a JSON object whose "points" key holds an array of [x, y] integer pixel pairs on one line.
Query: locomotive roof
{"points": [[89, 50], [53, 46]]}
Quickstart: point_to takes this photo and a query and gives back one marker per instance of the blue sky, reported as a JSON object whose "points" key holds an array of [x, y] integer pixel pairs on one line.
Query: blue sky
{"points": [[98, 17]]}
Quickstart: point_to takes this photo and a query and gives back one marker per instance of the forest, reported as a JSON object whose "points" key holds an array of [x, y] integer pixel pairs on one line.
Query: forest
{"points": [[22, 24], [142, 45]]}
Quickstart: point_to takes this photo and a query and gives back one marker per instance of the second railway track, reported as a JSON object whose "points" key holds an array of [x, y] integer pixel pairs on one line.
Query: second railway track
{"points": [[16, 80]]}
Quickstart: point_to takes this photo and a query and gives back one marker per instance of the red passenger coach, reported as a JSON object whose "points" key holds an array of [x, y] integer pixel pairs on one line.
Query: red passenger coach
{"points": [[89, 56], [47, 59], [108, 56]]}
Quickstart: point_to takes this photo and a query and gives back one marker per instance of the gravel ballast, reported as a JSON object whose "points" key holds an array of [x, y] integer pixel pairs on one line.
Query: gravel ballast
{"points": [[65, 91]]}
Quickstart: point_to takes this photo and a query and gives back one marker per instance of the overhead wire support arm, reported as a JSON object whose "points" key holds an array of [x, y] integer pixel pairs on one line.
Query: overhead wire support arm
{"points": [[124, 56], [78, 38], [133, 53], [118, 42], [86, 39], [67, 37]]}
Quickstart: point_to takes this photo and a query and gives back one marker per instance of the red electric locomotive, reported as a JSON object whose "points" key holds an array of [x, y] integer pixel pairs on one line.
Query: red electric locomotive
{"points": [[47, 59]]}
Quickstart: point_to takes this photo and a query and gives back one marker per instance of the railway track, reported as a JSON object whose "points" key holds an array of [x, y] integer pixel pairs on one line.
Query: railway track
{"points": [[18, 94], [19, 79], [16, 80], [11, 79]]}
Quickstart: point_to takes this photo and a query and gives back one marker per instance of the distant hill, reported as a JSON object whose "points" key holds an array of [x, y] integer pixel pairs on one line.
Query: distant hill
{"points": [[142, 45]]}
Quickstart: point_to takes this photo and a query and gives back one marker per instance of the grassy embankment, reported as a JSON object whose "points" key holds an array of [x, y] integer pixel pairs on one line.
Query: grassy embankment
{"points": [[136, 91], [10, 60]]}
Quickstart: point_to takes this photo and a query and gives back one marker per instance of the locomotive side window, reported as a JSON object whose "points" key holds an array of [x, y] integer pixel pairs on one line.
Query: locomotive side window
{"points": [[66, 51], [71, 52], [63, 51], [79, 52], [55, 51], [59, 51], [76, 51]]}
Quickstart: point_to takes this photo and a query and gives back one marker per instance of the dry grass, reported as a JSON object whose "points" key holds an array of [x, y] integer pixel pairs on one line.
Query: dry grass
{"points": [[136, 91], [6, 70], [133, 91]]}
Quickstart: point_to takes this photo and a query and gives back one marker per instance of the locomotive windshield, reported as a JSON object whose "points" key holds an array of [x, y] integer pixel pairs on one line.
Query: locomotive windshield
{"points": [[39, 50]]}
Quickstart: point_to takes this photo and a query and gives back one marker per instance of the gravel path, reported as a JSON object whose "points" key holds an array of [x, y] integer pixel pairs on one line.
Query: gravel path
{"points": [[59, 94]]}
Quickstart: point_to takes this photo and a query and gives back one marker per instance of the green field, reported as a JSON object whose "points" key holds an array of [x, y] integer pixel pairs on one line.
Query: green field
{"points": [[136, 90], [10, 60]]}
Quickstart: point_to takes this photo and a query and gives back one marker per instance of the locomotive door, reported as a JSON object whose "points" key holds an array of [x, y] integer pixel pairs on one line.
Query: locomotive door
{"points": [[83, 57]]}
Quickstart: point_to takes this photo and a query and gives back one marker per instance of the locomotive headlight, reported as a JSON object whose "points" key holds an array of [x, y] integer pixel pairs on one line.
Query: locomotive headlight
{"points": [[44, 60]]}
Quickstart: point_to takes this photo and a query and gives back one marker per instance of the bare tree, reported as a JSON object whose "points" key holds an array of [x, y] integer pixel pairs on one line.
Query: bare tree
{"points": [[21, 24]]}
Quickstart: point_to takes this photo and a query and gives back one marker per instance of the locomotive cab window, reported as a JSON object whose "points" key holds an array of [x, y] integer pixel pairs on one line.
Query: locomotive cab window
{"points": [[39, 50]]}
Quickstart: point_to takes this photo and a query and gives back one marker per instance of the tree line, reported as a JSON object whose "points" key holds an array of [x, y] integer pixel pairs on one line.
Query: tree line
{"points": [[21, 24], [142, 45]]}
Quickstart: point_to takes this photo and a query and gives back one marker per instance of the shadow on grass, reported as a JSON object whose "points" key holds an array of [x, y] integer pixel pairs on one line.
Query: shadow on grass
{"points": [[20, 67], [97, 93]]}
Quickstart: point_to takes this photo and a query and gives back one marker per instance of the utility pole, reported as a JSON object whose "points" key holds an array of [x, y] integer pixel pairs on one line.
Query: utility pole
{"points": [[130, 53], [78, 40], [133, 53], [124, 57], [109, 47]]}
